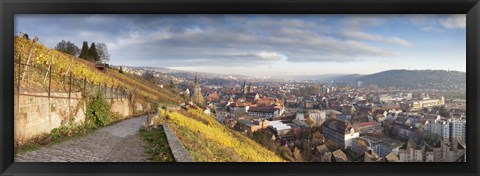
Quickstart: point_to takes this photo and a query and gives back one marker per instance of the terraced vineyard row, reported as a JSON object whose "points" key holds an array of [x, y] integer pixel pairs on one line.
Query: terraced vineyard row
{"points": [[209, 141], [37, 55]]}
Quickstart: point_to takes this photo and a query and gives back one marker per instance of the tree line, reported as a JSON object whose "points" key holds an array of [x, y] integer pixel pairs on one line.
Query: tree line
{"points": [[94, 53]]}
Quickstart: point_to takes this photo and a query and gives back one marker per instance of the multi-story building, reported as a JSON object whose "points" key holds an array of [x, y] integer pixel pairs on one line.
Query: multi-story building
{"points": [[411, 152], [452, 129], [282, 131], [263, 112], [442, 151], [368, 127], [340, 132], [301, 129], [238, 107], [416, 105], [317, 116], [457, 129], [308, 104], [437, 127]]}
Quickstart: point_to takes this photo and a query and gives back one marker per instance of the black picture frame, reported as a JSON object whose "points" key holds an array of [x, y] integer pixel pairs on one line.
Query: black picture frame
{"points": [[9, 8]]}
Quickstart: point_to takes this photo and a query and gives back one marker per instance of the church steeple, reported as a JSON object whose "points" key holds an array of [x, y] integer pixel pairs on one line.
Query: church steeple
{"points": [[244, 87], [196, 78], [197, 95]]}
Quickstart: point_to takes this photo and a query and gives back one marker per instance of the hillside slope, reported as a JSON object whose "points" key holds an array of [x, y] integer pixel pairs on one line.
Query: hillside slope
{"points": [[346, 78], [40, 59], [430, 79], [209, 141], [205, 138]]}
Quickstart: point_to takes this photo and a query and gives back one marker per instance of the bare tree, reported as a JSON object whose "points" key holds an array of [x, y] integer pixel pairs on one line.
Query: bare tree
{"points": [[103, 52], [68, 47]]}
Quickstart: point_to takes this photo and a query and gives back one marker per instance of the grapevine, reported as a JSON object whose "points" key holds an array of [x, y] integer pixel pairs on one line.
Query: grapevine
{"points": [[244, 147], [65, 65]]}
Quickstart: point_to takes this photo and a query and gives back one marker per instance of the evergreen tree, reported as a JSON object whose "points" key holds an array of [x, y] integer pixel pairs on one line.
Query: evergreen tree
{"points": [[84, 54], [93, 53], [120, 70]]}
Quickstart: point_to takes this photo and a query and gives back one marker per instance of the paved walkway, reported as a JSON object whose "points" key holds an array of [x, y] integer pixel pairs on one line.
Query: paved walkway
{"points": [[117, 143]]}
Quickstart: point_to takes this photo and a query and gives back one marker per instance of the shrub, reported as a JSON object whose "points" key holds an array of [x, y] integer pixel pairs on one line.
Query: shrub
{"points": [[58, 133], [98, 110]]}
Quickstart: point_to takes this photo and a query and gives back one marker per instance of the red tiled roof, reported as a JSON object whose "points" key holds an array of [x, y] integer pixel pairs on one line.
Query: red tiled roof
{"points": [[213, 96], [363, 124], [262, 109]]}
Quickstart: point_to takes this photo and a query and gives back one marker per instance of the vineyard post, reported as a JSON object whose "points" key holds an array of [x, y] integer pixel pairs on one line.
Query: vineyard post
{"points": [[64, 80], [121, 94], [18, 85], [84, 86], [49, 81], [49, 84], [105, 88], [111, 92], [19, 74], [49, 65], [111, 89], [28, 60], [69, 96], [70, 86]]}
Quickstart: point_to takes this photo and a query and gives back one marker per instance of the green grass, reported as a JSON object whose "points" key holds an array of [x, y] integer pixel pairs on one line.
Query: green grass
{"points": [[157, 145], [27, 148], [60, 136]]}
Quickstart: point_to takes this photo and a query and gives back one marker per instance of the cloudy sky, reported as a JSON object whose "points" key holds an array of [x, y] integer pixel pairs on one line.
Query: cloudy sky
{"points": [[265, 45]]}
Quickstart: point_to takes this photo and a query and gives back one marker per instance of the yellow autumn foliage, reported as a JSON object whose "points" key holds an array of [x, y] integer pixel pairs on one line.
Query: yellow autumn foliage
{"points": [[36, 54], [219, 138]]}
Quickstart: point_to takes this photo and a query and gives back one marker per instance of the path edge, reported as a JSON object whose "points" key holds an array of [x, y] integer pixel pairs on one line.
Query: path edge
{"points": [[178, 150]]}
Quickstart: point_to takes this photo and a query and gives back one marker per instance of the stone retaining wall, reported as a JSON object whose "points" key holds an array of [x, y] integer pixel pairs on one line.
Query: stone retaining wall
{"points": [[179, 152], [121, 106], [36, 114]]}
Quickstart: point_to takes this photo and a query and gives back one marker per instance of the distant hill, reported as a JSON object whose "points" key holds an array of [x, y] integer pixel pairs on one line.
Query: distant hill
{"points": [[428, 79], [346, 78], [160, 69], [143, 69]]}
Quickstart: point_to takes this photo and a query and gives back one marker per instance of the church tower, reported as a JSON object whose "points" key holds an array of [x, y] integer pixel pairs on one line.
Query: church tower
{"points": [[250, 88], [197, 94], [244, 87], [196, 86]]}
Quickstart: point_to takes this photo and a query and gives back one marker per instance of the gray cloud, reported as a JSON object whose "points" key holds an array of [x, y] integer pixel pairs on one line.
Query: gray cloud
{"points": [[438, 23], [455, 22], [372, 37], [185, 40]]}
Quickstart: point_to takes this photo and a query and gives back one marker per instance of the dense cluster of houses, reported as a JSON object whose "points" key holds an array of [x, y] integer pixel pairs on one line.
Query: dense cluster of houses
{"points": [[345, 124]]}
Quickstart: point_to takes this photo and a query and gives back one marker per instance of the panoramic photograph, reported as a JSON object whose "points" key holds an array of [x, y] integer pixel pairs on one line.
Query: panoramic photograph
{"points": [[240, 88]]}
